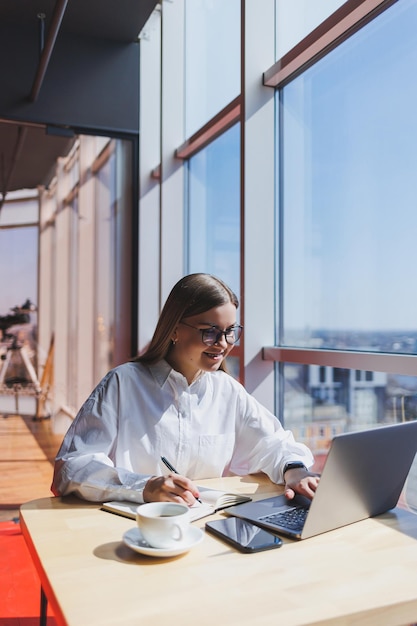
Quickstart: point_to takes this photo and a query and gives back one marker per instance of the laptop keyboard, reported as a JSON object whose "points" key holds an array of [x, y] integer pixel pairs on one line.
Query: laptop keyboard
{"points": [[293, 519]]}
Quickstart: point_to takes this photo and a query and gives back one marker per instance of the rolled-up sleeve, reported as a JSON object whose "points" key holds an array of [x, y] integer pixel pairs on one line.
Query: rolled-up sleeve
{"points": [[85, 463], [262, 444]]}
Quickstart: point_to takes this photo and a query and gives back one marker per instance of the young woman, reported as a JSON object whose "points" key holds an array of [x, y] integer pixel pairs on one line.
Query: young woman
{"points": [[177, 401]]}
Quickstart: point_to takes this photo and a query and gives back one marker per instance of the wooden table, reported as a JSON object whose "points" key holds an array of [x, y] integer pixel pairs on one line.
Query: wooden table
{"points": [[365, 573]]}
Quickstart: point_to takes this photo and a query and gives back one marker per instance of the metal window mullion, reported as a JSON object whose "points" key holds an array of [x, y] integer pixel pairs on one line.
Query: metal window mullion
{"points": [[279, 287], [404, 364]]}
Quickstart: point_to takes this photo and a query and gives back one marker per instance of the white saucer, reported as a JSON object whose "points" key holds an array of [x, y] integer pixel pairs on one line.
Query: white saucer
{"points": [[134, 540]]}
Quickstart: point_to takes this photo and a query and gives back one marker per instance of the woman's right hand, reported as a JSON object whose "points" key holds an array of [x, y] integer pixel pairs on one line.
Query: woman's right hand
{"points": [[171, 488]]}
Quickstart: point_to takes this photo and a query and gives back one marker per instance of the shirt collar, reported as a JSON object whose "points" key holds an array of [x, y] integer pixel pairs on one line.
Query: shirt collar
{"points": [[161, 371]]}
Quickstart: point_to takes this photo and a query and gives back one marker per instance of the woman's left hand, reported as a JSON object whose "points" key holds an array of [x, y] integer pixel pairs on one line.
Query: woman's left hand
{"points": [[300, 481]]}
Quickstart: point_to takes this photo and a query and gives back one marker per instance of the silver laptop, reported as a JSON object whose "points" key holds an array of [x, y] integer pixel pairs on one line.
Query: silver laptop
{"points": [[363, 476]]}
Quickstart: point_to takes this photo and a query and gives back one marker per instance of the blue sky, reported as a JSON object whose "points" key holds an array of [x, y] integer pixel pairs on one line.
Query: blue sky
{"points": [[18, 267], [350, 182]]}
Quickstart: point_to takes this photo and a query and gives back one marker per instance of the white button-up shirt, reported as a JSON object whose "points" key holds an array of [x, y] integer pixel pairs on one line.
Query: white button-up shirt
{"points": [[139, 413]]}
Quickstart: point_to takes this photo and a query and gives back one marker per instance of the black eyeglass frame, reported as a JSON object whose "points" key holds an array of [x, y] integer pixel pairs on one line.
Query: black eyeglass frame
{"points": [[236, 329]]}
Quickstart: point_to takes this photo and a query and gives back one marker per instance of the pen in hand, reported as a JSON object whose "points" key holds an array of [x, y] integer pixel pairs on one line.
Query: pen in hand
{"points": [[173, 470]]}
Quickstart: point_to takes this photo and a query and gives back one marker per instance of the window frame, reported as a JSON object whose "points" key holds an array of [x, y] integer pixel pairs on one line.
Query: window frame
{"points": [[344, 22]]}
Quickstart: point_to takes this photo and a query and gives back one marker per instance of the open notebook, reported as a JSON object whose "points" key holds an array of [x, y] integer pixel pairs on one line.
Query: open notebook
{"points": [[211, 499]]}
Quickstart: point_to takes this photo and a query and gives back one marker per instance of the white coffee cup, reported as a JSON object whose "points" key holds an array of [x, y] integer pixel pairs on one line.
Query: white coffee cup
{"points": [[163, 524]]}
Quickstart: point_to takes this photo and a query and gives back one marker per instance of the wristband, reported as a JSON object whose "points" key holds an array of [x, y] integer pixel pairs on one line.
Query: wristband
{"points": [[293, 465]]}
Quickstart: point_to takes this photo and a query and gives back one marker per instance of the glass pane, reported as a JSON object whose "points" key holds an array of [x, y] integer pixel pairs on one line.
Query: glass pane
{"points": [[212, 59], [321, 402], [214, 209], [295, 20], [104, 275], [349, 193]]}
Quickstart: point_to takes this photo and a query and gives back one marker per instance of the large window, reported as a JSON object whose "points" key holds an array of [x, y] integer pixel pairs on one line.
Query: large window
{"points": [[338, 304], [346, 255]]}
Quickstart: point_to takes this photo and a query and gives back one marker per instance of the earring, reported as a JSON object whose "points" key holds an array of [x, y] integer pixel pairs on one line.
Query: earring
{"points": [[174, 341]]}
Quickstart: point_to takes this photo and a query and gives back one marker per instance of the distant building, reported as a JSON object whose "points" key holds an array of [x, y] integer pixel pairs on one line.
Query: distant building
{"points": [[322, 401]]}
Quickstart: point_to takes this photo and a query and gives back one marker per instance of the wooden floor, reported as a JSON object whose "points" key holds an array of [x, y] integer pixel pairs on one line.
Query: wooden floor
{"points": [[27, 451]]}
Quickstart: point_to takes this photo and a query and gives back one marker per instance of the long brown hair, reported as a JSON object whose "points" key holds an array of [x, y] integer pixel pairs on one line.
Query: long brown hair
{"points": [[193, 294]]}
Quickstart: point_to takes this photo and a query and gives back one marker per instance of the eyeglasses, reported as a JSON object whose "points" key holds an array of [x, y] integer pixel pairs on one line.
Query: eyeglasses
{"points": [[213, 334]]}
